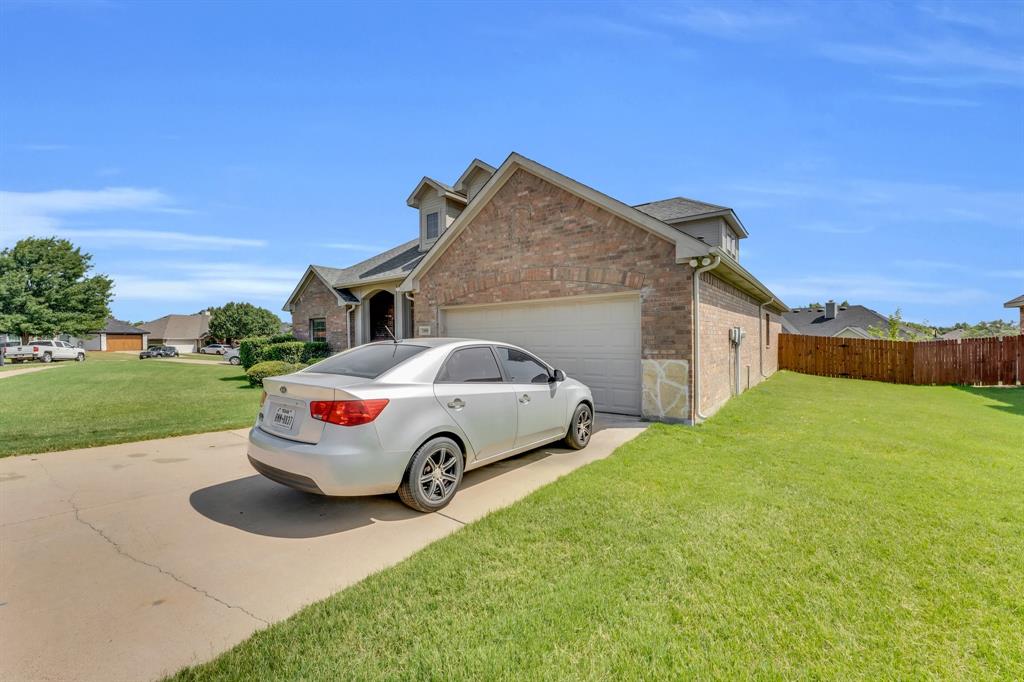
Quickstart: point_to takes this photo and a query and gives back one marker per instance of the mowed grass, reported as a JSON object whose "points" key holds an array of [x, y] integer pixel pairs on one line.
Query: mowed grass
{"points": [[116, 398], [815, 528]]}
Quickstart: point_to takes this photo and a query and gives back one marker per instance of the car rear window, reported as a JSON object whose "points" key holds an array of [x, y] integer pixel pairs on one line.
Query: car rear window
{"points": [[367, 362]]}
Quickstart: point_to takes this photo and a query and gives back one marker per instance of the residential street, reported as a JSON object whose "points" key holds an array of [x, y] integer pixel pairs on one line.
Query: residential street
{"points": [[129, 561]]}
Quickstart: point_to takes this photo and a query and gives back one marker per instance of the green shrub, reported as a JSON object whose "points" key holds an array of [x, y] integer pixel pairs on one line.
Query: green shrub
{"points": [[282, 338], [250, 349], [289, 351], [313, 351], [271, 368]]}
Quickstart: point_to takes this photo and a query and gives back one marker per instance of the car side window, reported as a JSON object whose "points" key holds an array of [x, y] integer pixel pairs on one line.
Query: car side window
{"points": [[470, 365], [522, 368]]}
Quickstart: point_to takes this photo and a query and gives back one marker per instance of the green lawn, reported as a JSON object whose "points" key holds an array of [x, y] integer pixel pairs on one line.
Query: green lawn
{"points": [[815, 528], [115, 398]]}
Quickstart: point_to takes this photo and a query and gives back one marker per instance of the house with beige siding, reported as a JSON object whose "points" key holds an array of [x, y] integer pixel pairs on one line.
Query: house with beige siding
{"points": [[646, 304]]}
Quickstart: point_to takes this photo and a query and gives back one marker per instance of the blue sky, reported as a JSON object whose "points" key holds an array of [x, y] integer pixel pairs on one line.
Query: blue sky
{"points": [[209, 152]]}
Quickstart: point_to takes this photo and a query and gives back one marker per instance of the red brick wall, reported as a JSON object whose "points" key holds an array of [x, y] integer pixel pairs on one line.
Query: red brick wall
{"points": [[316, 300], [535, 240], [722, 307]]}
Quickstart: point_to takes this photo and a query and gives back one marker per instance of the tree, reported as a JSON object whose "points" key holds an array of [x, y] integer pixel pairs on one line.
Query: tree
{"points": [[45, 290], [239, 320], [893, 328]]}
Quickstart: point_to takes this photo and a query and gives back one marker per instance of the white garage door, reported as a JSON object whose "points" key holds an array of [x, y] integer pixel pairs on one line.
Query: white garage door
{"points": [[596, 341]]}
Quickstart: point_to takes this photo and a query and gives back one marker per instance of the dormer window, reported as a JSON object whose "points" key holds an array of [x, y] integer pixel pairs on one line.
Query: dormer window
{"points": [[432, 226]]}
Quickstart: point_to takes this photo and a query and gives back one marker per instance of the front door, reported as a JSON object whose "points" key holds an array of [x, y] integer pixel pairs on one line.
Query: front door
{"points": [[541, 403], [471, 389], [382, 316]]}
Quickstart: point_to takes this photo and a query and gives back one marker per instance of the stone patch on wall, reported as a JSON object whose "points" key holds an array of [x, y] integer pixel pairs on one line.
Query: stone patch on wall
{"points": [[666, 392]]}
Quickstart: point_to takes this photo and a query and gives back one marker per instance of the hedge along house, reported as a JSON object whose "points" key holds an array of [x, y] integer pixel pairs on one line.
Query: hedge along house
{"points": [[646, 304]]}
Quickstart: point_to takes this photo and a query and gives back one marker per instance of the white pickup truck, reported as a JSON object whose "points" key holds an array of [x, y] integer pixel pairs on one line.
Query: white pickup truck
{"points": [[46, 351]]}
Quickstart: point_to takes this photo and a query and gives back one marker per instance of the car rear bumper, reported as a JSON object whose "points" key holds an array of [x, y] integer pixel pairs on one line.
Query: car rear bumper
{"points": [[341, 464]]}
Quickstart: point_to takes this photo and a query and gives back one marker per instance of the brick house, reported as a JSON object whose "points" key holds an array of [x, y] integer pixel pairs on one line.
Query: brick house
{"points": [[647, 304]]}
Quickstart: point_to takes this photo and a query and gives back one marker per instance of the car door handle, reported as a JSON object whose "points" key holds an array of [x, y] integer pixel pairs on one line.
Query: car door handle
{"points": [[524, 398], [456, 404]]}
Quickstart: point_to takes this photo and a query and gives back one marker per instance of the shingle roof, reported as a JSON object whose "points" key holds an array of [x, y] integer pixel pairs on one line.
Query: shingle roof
{"points": [[115, 326], [812, 322], [395, 262], [677, 208], [179, 326]]}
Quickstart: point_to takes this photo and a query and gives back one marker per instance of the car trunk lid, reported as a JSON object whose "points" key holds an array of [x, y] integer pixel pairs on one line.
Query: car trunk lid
{"points": [[285, 412]]}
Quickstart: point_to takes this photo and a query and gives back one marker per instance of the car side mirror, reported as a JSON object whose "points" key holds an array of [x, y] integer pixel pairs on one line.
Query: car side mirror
{"points": [[559, 375]]}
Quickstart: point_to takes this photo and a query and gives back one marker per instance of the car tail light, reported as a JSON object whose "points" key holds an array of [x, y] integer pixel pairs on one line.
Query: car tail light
{"points": [[346, 412], [35, 349], [263, 398]]}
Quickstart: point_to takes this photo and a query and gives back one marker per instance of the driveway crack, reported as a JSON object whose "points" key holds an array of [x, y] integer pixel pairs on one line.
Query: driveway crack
{"points": [[70, 500], [120, 550]]}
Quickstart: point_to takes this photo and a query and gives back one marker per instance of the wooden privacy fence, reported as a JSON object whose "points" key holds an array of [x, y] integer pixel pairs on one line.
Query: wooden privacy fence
{"points": [[976, 362]]}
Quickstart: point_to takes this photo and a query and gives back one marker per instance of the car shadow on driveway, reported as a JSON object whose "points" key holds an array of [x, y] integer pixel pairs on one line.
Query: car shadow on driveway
{"points": [[258, 505]]}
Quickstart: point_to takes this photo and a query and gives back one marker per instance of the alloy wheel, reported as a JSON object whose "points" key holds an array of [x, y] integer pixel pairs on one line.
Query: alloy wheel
{"points": [[584, 425], [439, 475]]}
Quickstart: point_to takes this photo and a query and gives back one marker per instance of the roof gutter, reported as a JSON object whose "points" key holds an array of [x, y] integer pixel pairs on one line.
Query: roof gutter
{"points": [[706, 264]]}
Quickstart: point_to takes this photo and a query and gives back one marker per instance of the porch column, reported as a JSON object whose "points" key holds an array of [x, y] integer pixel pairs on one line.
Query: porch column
{"points": [[399, 313]]}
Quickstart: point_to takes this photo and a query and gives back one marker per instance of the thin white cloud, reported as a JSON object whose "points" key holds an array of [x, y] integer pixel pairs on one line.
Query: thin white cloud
{"points": [[877, 289], [873, 201], [953, 58], [206, 283], [931, 101], [992, 21], [43, 210], [352, 246], [45, 214], [45, 147], [735, 21], [829, 228]]}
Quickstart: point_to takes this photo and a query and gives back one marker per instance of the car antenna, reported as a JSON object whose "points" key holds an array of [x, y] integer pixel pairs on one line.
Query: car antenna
{"points": [[388, 330]]}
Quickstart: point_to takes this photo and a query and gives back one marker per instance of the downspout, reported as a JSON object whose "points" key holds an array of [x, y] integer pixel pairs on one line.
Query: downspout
{"points": [[349, 307], [706, 264], [410, 296], [760, 336]]}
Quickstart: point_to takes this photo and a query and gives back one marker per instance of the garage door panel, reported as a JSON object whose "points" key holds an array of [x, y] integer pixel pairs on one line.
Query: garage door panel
{"points": [[596, 341]]}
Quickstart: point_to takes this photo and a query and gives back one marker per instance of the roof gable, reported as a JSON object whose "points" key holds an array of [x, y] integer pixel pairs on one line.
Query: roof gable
{"points": [[1015, 302], [686, 246], [476, 167], [431, 185], [681, 209]]}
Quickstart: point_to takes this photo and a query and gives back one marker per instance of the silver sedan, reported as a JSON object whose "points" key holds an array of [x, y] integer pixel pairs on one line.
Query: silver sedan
{"points": [[412, 416]]}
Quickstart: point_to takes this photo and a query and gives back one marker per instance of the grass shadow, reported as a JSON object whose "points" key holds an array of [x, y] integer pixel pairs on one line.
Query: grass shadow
{"points": [[240, 377], [1007, 398]]}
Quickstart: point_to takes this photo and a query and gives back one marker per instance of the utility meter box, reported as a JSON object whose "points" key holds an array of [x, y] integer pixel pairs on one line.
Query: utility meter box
{"points": [[736, 335]]}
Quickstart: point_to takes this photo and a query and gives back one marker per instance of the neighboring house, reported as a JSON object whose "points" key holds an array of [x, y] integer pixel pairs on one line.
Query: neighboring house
{"points": [[952, 335], [833, 319], [1017, 303], [187, 333], [603, 290], [116, 335]]}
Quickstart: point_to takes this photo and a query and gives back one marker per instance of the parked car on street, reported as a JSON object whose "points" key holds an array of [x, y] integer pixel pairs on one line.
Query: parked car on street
{"points": [[45, 351], [215, 349], [412, 416], [233, 356], [159, 352]]}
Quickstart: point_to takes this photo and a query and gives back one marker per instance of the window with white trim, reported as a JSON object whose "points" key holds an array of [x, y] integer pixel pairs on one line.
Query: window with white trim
{"points": [[431, 225]]}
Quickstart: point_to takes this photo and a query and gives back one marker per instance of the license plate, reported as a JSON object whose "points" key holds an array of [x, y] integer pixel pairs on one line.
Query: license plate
{"points": [[284, 417]]}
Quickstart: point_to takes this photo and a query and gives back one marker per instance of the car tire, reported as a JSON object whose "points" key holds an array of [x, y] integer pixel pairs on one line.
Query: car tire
{"points": [[235, 361], [580, 428], [80, 357], [424, 491], [47, 357]]}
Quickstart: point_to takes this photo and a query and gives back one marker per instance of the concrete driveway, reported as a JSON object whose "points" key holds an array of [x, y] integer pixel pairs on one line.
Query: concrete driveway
{"points": [[127, 562]]}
